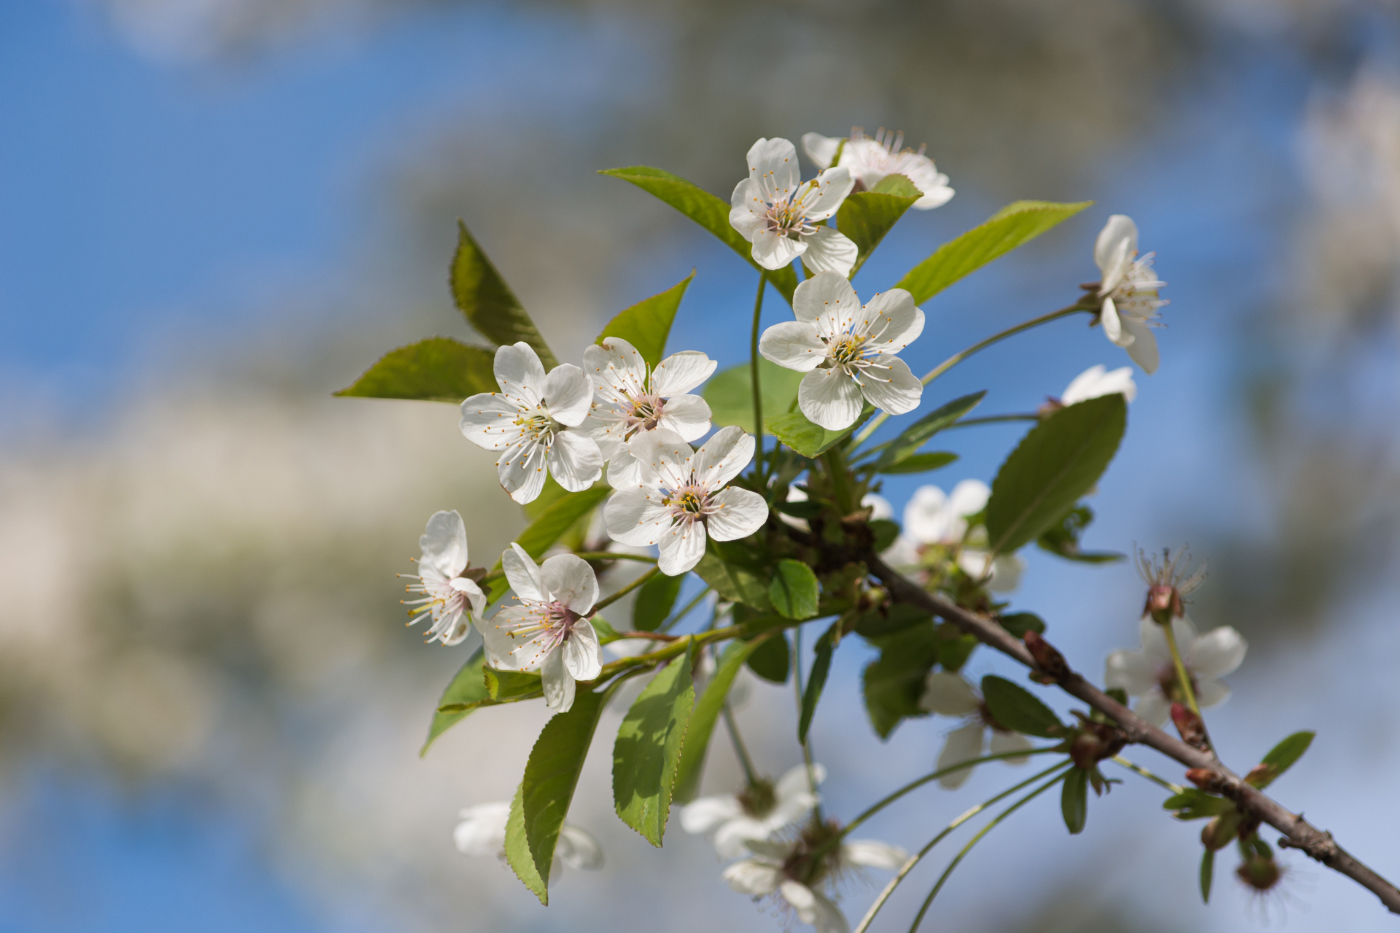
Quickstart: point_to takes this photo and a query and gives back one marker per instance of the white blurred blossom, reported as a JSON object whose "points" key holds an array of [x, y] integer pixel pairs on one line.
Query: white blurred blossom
{"points": [[872, 160], [1128, 289], [1150, 675], [1098, 381], [950, 694], [755, 813], [481, 830]]}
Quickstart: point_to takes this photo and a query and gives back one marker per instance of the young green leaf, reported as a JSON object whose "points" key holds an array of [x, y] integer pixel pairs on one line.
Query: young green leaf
{"points": [[655, 600], [885, 533], [512, 685], [647, 324], [559, 517], [1207, 874], [866, 216], [468, 688], [706, 210], [1059, 460], [808, 439], [877, 623], [517, 849], [1017, 709], [551, 774], [487, 301], [816, 680], [733, 583], [706, 715], [794, 590], [1279, 759], [1074, 799], [1062, 538], [893, 683], [730, 393], [772, 660], [648, 749], [1005, 230], [903, 447], [1019, 623], [954, 648], [438, 369], [919, 463], [1195, 804]]}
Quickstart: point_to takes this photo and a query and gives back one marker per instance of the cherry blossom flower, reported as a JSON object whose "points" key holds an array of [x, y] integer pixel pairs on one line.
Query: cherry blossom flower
{"points": [[449, 598], [1096, 382], [788, 873], [949, 694], [631, 398], [782, 216], [1150, 675], [871, 160], [934, 519], [1128, 291], [682, 497], [755, 813], [482, 831], [547, 628], [847, 351], [529, 422]]}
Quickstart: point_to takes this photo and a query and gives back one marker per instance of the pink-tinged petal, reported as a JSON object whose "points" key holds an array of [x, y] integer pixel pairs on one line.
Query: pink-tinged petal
{"points": [[444, 543], [558, 683], [687, 415], [774, 251], [1004, 742], [568, 394], [739, 514], [820, 149], [524, 575], [830, 398], [575, 461], [680, 372], [571, 581], [828, 190], [522, 476], [949, 694], [488, 420], [723, 456], [826, 294], [519, 372], [829, 251], [1116, 243], [773, 165], [891, 386], [636, 516], [793, 345], [1217, 652], [1143, 348], [962, 744], [583, 658], [681, 548], [616, 369], [892, 320], [474, 594]]}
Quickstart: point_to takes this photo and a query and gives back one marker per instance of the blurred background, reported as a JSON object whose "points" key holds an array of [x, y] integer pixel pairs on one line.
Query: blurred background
{"points": [[214, 213]]}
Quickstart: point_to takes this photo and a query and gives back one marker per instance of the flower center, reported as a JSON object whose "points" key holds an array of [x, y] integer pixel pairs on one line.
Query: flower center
{"points": [[644, 414], [846, 349], [758, 799], [1136, 295], [535, 422], [689, 503], [812, 860], [787, 218]]}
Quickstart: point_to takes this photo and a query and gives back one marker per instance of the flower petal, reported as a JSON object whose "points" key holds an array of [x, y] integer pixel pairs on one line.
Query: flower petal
{"points": [[927, 518], [558, 682], [1217, 652], [1095, 382], [873, 854], [969, 497], [1143, 348], [488, 420], [616, 369], [890, 386], [827, 916], [1113, 324], [830, 398], [1003, 742], [571, 581], [568, 394], [1154, 708], [482, 830], [474, 594], [520, 475], [575, 460], [828, 190], [681, 548], [1132, 671], [707, 814], [636, 516], [741, 513], [773, 165], [519, 372], [793, 345], [583, 658], [444, 543], [680, 372], [962, 744], [524, 575], [723, 456], [578, 849], [948, 694], [829, 251], [1210, 691], [892, 320], [1118, 239], [829, 296], [624, 471], [820, 149], [747, 209], [801, 898], [774, 251], [753, 876], [687, 415], [737, 835]]}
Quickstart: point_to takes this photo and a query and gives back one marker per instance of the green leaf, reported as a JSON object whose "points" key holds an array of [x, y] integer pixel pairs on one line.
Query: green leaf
{"points": [[1195, 804], [1016, 708], [1207, 874], [866, 216], [512, 685], [648, 749], [1056, 463], [1280, 758], [733, 583], [438, 369], [1019, 623], [1005, 230], [559, 517], [706, 715], [794, 591], [655, 600], [816, 680], [1062, 538], [517, 849], [467, 688], [885, 532], [808, 439], [647, 324], [706, 210], [730, 393], [877, 623], [487, 301], [551, 774], [903, 447], [604, 630], [920, 463], [1074, 800], [772, 660], [955, 648], [893, 683]]}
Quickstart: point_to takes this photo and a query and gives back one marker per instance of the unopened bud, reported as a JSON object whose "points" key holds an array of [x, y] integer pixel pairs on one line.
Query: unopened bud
{"points": [[1205, 779], [1046, 657], [1221, 831], [1095, 741], [1189, 724]]}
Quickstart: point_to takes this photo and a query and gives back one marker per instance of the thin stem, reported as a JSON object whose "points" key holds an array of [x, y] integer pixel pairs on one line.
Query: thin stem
{"points": [[614, 555], [807, 741], [840, 481], [754, 380], [1139, 769], [991, 419], [685, 611], [981, 833], [958, 357], [604, 603], [1183, 679], [914, 860], [740, 751]]}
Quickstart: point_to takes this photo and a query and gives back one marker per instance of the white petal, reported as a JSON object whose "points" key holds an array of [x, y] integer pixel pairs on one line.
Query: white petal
{"points": [[753, 877], [747, 208], [636, 516], [482, 830], [1118, 238], [571, 581], [575, 460], [793, 344], [828, 190], [616, 368], [1217, 652], [444, 543], [873, 854], [1113, 324], [583, 658], [774, 251], [826, 293], [830, 398], [1210, 691], [519, 371], [624, 471], [687, 415], [1154, 640], [724, 456], [664, 458], [791, 808], [773, 164], [488, 420], [948, 694], [578, 849], [879, 506], [741, 513], [681, 548], [707, 814], [1143, 348], [802, 900], [892, 320], [680, 372], [828, 917], [568, 393], [522, 476], [1154, 708], [1003, 742], [474, 594], [737, 835], [820, 149], [506, 651], [962, 744], [1094, 382], [830, 251], [927, 517], [932, 183], [524, 575], [794, 781], [1132, 671], [969, 497], [558, 682], [891, 386]]}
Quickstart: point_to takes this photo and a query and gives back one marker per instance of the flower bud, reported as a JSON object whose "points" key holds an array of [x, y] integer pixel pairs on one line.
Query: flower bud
{"points": [[1189, 724], [1259, 872], [1221, 831], [1046, 657], [1163, 604], [1205, 779]]}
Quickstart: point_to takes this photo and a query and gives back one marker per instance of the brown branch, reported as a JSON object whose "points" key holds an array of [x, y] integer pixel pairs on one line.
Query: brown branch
{"points": [[1297, 832]]}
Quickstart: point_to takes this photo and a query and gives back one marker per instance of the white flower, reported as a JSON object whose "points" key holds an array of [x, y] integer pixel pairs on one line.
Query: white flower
{"points": [[847, 351], [1150, 674], [933, 518], [870, 160], [482, 831], [781, 216], [783, 871], [448, 597], [949, 694], [631, 399], [1095, 382], [528, 422], [756, 813], [682, 497], [547, 628], [1128, 289]]}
